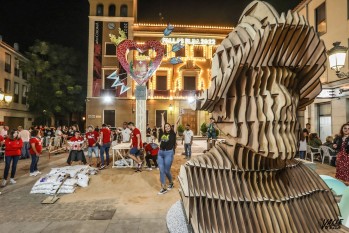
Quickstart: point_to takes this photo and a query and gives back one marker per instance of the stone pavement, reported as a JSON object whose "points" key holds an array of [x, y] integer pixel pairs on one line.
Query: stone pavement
{"points": [[23, 212]]}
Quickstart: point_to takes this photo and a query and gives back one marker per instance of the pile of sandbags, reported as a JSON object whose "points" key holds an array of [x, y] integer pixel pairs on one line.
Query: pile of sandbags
{"points": [[78, 175], [123, 162]]}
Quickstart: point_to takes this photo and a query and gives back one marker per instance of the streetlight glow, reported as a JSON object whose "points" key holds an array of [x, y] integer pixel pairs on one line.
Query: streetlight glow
{"points": [[107, 99], [191, 99]]}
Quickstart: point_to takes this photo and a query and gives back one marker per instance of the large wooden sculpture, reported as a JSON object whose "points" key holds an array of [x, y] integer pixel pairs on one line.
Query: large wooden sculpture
{"points": [[266, 69]]}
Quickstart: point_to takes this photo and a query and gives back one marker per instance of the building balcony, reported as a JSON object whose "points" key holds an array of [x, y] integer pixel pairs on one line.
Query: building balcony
{"points": [[170, 94], [112, 92]]}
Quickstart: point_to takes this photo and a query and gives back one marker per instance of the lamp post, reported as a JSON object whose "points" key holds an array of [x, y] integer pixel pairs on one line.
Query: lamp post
{"points": [[336, 57], [5, 98]]}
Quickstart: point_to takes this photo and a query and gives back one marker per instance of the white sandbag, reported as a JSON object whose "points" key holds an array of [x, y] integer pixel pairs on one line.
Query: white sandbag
{"points": [[83, 180]]}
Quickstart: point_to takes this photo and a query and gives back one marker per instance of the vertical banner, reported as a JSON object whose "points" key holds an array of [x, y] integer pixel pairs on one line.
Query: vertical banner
{"points": [[97, 59], [122, 71], [124, 27]]}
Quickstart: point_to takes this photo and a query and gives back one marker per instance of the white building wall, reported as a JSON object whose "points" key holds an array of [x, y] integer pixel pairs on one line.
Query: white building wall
{"points": [[337, 30]]}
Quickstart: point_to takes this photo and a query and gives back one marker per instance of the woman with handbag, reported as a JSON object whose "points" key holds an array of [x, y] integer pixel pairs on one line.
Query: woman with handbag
{"points": [[341, 144]]}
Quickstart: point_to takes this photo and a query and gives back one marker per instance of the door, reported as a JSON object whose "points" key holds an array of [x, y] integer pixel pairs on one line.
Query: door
{"points": [[189, 117], [325, 127], [109, 117]]}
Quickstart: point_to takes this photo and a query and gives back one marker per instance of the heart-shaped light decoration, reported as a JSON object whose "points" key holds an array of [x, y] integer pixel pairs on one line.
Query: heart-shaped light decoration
{"points": [[140, 70]]}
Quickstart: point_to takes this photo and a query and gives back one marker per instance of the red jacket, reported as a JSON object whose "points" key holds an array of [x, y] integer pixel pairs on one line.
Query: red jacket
{"points": [[13, 147], [152, 149]]}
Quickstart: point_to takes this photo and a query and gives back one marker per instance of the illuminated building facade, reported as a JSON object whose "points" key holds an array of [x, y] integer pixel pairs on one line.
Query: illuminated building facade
{"points": [[13, 83], [169, 88]]}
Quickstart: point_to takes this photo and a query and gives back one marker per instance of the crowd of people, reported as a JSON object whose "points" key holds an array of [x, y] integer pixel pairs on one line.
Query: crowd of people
{"points": [[158, 148], [339, 145]]}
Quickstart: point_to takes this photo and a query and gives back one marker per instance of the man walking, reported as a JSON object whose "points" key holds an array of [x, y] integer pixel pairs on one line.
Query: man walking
{"points": [[105, 144], [25, 136], [188, 136], [136, 145]]}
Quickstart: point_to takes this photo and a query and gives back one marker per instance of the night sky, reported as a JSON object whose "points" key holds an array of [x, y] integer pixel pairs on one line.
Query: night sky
{"points": [[66, 21]]}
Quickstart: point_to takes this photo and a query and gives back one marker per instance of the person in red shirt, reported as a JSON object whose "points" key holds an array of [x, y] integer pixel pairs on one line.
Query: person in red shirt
{"points": [[104, 134], [35, 151], [13, 147], [92, 141], [136, 145], [151, 153], [76, 149]]}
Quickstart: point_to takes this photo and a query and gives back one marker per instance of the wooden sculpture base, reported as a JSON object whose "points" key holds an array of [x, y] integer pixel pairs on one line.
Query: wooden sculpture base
{"points": [[232, 189]]}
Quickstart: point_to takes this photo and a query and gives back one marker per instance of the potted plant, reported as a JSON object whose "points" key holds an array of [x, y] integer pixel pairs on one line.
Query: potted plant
{"points": [[180, 130], [203, 129]]}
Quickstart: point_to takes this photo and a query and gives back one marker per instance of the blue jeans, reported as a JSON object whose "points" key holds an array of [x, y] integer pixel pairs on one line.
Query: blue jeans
{"points": [[105, 148], [165, 158], [8, 160], [92, 149], [302, 154], [34, 164], [25, 150], [187, 149]]}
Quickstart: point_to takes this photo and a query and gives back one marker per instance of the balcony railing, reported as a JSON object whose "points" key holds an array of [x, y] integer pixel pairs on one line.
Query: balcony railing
{"points": [[161, 93], [112, 92]]}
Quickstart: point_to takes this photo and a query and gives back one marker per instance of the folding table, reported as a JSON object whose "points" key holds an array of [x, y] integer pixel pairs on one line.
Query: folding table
{"points": [[116, 151]]}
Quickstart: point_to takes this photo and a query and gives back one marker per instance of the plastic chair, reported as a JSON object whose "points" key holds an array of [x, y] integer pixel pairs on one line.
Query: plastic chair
{"points": [[312, 151], [327, 153], [337, 186], [343, 206]]}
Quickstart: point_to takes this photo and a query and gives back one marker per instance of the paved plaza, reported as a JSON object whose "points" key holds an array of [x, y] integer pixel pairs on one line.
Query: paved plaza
{"points": [[121, 200]]}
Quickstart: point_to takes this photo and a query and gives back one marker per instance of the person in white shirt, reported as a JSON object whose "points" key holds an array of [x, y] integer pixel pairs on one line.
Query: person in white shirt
{"points": [[302, 146], [188, 140], [25, 136], [126, 133], [58, 137], [4, 131]]}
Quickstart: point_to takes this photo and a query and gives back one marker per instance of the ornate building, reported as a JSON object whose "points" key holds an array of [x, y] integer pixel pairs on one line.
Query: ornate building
{"points": [[13, 83], [171, 85]]}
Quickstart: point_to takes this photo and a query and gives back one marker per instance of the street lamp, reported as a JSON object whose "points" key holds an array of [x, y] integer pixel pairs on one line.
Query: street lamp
{"points": [[5, 98], [336, 57]]}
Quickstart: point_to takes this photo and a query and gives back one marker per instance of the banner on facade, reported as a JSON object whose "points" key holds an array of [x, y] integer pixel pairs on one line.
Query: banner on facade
{"points": [[97, 59], [122, 71], [124, 27]]}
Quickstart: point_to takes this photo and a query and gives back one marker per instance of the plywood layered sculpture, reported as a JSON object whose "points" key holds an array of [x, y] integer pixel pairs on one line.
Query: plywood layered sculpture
{"points": [[265, 70]]}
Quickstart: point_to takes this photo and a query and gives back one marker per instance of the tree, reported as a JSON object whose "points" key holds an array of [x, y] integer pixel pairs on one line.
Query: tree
{"points": [[56, 80]]}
